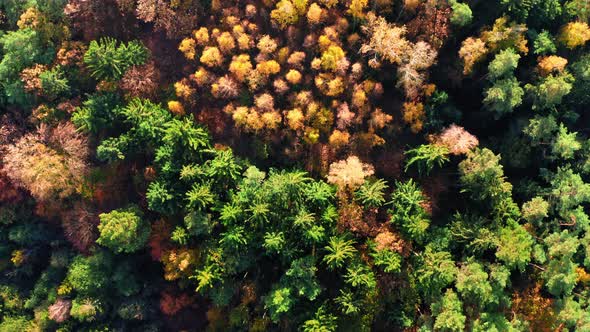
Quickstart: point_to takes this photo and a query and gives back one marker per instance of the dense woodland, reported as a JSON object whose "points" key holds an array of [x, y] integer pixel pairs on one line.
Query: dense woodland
{"points": [[294, 165]]}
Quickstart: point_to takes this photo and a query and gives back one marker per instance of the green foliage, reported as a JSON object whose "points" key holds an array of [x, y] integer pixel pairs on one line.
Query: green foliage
{"points": [[514, 246], [372, 193], [473, 284], [503, 64], [462, 14], [435, 271], [97, 113], [448, 312], [550, 90], [338, 251], [503, 96], [407, 210], [427, 156], [90, 276], [123, 230], [565, 144], [21, 49], [54, 83], [108, 59], [483, 177], [544, 43]]}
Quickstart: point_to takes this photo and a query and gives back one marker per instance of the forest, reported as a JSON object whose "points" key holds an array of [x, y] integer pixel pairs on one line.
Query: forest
{"points": [[294, 165]]}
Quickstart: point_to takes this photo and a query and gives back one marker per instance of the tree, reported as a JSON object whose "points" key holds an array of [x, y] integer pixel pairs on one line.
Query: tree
{"points": [[349, 173], [473, 285], [51, 163], [551, 90], [560, 274], [574, 34], [426, 156], [90, 276], [407, 210], [21, 49], [123, 230], [448, 312], [515, 246], [483, 176], [544, 43], [462, 14], [435, 271], [371, 193], [503, 64], [338, 251], [565, 144], [503, 96], [108, 59]]}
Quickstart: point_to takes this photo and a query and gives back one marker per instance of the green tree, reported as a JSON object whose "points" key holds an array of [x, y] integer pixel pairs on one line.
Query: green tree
{"points": [[503, 64], [565, 144], [108, 59], [449, 313], [473, 284], [426, 156], [462, 14], [515, 246], [544, 43], [483, 177], [407, 210], [550, 91], [123, 230], [435, 271], [503, 96], [338, 251]]}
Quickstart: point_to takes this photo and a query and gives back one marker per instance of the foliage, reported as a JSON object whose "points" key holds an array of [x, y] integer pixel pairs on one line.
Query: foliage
{"points": [[108, 59], [123, 230]]}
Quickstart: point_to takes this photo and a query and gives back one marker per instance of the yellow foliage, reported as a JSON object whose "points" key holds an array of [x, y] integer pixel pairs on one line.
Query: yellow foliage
{"points": [[335, 87], [176, 107], [18, 257], [271, 120], [575, 34], [312, 135], [314, 14], [583, 276], [504, 35], [331, 57], [212, 57], [339, 138], [183, 91], [268, 68], [201, 76], [64, 289], [226, 42], [285, 13], [472, 51], [359, 98], [386, 40], [293, 76], [201, 36], [329, 3], [357, 7], [179, 263], [413, 114], [187, 47], [29, 19], [295, 119], [241, 67], [552, 63], [244, 42], [267, 45], [283, 55]]}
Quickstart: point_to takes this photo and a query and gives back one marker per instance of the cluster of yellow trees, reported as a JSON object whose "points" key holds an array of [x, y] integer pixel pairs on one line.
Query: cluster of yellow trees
{"points": [[306, 74]]}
